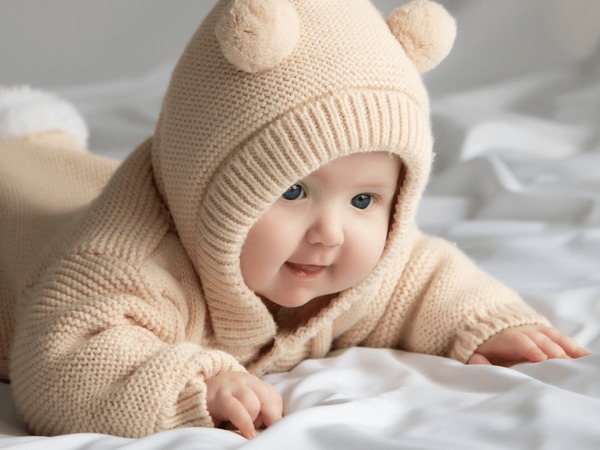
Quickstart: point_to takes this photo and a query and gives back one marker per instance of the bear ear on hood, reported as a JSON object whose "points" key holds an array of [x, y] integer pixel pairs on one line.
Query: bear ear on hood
{"points": [[257, 35], [425, 30]]}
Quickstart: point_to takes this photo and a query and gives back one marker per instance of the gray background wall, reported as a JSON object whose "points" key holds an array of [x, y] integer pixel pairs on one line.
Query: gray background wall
{"points": [[52, 43]]}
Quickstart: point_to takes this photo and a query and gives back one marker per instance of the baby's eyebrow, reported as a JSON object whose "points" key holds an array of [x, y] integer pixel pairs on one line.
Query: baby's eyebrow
{"points": [[375, 185]]}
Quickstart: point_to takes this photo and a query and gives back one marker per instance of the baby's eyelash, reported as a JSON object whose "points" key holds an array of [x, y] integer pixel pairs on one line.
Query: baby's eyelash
{"points": [[376, 197], [364, 200], [294, 192]]}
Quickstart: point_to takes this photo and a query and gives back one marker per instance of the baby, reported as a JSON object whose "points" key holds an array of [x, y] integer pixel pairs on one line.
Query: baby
{"points": [[269, 219]]}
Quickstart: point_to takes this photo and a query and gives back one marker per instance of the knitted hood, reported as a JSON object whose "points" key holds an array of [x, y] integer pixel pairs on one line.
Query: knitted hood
{"points": [[268, 91]]}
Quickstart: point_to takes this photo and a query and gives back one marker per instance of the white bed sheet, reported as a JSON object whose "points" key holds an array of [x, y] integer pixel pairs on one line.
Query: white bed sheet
{"points": [[517, 186]]}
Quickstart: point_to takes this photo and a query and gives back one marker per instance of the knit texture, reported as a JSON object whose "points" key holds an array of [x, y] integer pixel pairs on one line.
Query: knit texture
{"points": [[228, 142], [127, 293], [46, 180]]}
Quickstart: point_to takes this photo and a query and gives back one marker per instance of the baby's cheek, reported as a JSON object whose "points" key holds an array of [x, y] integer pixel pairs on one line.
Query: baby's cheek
{"points": [[378, 235], [364, 257]]}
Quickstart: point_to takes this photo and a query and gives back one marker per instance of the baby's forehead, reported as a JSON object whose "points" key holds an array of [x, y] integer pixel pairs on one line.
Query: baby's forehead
{"points": [[363, 165], [367, 170]]}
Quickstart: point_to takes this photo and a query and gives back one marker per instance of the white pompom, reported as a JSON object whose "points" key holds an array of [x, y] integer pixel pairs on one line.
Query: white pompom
{"points": [[258, 35], [426, 31], [24, 111]]}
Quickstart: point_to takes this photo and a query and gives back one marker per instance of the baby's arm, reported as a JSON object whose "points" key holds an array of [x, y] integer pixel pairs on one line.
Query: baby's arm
{"points": [[110, 352], [445, 305], [244, 400], [532, 343]]}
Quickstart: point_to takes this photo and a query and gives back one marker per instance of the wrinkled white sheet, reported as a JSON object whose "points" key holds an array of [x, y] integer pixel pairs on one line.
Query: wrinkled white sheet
{"points": [[385, 399], [517, 186]]}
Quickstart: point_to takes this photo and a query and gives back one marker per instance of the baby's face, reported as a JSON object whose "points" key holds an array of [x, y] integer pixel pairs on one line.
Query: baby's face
{"points": [[324, 234]]}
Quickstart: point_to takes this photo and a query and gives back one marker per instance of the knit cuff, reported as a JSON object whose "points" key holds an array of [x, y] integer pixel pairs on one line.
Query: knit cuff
{"points": [[479, 326], [190, 409], [24, 111]]}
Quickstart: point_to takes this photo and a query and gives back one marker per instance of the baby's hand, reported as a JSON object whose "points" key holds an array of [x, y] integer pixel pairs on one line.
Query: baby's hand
{"points": [[244, 400], [532, 343]]}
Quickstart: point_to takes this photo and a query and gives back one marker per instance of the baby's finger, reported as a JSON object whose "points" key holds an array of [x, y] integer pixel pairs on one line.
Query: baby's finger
{"points": [[271, 403], [238, 415], [568, 344], [250, 400], [578, 352], [272, 410], [527, 348], [478, 358], [550, 348]]}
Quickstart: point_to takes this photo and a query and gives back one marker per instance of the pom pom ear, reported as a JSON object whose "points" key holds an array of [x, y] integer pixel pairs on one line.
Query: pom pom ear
{"points": [[425, 30], [257, 35]]}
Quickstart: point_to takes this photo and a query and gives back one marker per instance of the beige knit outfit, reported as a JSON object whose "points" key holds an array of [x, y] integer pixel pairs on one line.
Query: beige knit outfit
{"points": [[123, 306]]}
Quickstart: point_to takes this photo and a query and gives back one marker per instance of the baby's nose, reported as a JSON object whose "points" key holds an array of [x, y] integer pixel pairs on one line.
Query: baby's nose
{"points": [[326, 230]]}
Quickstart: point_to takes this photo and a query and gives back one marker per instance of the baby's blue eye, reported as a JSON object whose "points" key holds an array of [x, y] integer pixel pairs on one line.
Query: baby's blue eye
{"points": [[362, 201], [294, 192]]}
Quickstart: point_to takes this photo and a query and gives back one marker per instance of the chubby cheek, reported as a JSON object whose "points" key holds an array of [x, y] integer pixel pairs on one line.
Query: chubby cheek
{"points": [[362, 257], [248, 265], [253, 260], [265, 250]]}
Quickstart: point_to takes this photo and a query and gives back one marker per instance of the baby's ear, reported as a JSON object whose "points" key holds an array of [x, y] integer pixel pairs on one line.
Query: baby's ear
{"points": [[425, 30]]}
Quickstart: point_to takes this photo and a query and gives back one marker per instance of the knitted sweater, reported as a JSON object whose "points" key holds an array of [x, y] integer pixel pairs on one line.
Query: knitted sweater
{"points": [[114, 331], [121, 287]]}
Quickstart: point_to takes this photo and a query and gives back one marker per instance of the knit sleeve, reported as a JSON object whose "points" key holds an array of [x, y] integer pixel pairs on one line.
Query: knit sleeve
{"points": [[445, 305], [104, 347]]}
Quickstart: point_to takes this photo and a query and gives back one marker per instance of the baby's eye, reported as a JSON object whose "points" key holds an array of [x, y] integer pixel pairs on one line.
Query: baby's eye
{"points": [[362, 201], [294, 192]]}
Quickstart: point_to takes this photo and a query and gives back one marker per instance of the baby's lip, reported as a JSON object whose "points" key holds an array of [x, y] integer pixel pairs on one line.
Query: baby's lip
{"points": [[305, 271], [306, 268]]}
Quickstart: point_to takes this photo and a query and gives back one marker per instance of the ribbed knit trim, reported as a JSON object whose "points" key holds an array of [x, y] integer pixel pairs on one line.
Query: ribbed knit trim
{"points": [[476, 330], [278, 155], [190, 409]]}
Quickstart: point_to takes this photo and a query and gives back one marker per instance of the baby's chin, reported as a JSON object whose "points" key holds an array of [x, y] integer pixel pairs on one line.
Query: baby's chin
{"points": [[292, 302], [293, 317], [298, 303]]}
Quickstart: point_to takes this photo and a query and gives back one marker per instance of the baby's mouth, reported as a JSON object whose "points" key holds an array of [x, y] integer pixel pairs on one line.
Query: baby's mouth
{"points": [[305, 270]]}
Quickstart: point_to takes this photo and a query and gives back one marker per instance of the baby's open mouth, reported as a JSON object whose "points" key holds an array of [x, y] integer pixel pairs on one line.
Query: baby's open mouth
{"points": [[305, 270]]}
